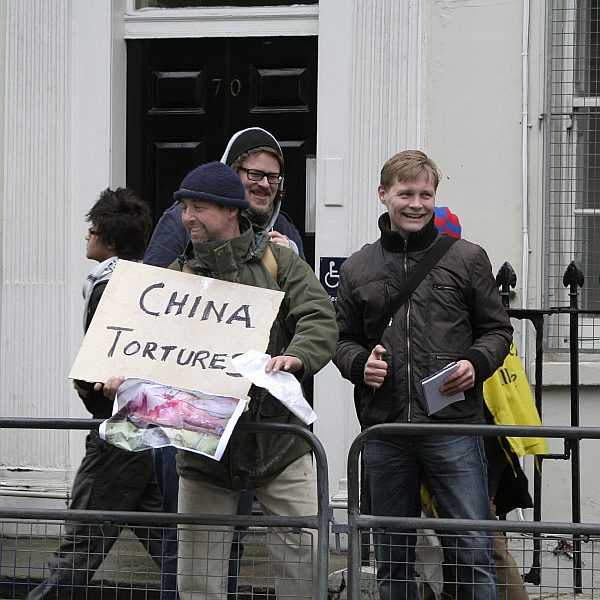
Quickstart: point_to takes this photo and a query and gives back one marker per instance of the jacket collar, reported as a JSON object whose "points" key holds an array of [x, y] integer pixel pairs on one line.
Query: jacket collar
{"points": [[392, 241], [222, 259]]}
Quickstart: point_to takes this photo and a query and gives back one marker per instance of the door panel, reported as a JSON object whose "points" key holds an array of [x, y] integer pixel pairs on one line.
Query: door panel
{"points": [[170, 113], [281, 74], [178, 90], [168, 161], [278, 88]]}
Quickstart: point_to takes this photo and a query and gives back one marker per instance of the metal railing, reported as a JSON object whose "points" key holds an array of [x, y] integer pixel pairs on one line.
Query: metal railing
{"points": [[573, 279], [19, 551], [359, 523]]}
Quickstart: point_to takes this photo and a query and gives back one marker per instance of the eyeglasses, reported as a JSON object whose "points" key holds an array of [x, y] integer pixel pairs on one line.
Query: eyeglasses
{"points": [[92, 231], [256, 175]]}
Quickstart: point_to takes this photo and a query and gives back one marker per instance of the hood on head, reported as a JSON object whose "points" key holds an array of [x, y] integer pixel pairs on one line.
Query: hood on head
{"points": [[247, 139], [250, 138]]}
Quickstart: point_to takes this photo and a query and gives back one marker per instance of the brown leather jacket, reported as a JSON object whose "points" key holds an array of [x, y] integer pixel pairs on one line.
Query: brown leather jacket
{"points": [[455, 313]]}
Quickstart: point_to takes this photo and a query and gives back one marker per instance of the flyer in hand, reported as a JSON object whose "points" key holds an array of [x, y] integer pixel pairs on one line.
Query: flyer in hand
{"points": [[148, 415], [434, 399]]}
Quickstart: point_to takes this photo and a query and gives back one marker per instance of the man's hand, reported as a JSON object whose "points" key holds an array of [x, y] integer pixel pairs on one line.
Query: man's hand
{"points": [[462, 379], [375, 368], [279, 238], [109, 388], [291, 364]]}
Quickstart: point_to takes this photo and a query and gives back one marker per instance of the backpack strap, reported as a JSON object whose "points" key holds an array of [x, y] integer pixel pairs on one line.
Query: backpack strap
{"points": [[416, 276], [185, 268], [269, 262]]}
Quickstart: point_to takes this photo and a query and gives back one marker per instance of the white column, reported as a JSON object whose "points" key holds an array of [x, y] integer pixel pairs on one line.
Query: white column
{"points": [[61, 147], [369, 99], [386, 102], [35, 218]]}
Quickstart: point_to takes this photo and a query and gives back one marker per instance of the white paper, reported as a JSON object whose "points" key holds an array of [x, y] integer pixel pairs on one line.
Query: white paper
{"points": [[434, 399], [284, 386], [147, 414]]}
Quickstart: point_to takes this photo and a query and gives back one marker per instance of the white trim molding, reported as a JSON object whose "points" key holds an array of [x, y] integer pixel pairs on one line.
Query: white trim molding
{"points": [[253, 21]]}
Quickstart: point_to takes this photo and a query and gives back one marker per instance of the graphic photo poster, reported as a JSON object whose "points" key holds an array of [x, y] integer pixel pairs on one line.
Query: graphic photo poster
{"points": [[174, 328]]}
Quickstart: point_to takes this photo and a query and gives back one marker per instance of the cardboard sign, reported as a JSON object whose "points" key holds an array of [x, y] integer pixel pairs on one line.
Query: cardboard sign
{"points": [[175, 328]]}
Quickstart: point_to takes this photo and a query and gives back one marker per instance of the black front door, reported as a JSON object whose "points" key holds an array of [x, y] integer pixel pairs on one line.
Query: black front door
{"points": [[186, 97]]}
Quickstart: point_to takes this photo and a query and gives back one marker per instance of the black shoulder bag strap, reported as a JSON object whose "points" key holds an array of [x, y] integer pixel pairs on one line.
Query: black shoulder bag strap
{"points": [[415, 278]]}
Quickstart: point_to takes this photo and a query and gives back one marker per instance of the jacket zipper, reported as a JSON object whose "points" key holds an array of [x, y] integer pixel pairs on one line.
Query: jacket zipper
{"points": [[408, 347]]}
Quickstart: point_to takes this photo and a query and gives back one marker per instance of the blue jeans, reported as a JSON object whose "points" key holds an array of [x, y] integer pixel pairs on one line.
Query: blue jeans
{"points": [[456, 470], [168, 481]]}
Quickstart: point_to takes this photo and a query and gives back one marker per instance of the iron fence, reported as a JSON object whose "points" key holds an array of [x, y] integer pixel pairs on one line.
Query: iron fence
{"points": [[564, 555], [29, 538], [528, 541]]}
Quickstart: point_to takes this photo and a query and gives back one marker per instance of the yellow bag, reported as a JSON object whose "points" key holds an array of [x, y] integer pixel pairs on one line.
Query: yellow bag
{"points": [[508, 397]]}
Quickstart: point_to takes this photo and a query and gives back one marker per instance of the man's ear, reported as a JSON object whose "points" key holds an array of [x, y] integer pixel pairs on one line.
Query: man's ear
{"points": [[381, 194]]}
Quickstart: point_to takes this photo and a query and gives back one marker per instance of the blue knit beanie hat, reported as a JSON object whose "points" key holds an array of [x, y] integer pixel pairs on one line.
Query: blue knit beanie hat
{"points": [[213, 182]]}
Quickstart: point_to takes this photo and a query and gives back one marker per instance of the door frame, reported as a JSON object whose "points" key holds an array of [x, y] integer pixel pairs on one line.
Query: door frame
{"points": [[263, 21]]}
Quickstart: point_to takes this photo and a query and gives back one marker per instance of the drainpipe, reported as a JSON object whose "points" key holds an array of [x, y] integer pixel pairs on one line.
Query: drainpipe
{"points": [[525, 172], [524, 187]]}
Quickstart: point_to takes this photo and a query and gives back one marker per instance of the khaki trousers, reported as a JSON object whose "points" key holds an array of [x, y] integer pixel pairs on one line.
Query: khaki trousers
{"points": [[204, 550]]}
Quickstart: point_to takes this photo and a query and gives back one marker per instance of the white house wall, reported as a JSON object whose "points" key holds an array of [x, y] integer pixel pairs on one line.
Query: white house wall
{"points": [[441, 75], [471, 124], [472, 118]]}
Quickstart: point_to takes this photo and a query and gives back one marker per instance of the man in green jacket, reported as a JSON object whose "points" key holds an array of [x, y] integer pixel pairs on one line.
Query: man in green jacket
{"points": [[279, 468]]}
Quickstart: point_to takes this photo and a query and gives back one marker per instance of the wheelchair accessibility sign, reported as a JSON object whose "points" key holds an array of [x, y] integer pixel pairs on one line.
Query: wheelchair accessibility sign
{"points": [[329, 274]]}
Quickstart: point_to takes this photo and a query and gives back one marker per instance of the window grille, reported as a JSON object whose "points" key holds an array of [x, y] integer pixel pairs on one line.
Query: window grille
{"points": [[573, 161]]}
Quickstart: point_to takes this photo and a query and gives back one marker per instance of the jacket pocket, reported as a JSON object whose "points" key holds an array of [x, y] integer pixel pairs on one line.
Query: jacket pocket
{"points": [[438, 360], [469, 410], [268, 407]]}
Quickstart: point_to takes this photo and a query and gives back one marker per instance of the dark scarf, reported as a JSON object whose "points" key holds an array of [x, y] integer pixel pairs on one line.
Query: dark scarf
{"points": [[392, 241], [259, 220]]}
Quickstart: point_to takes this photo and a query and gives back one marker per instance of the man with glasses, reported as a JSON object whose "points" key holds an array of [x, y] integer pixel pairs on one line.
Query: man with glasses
{"points": [[257, 158]]}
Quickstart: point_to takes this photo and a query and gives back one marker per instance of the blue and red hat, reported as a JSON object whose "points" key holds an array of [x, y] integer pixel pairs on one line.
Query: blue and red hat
{"points": [[446, 221]]}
